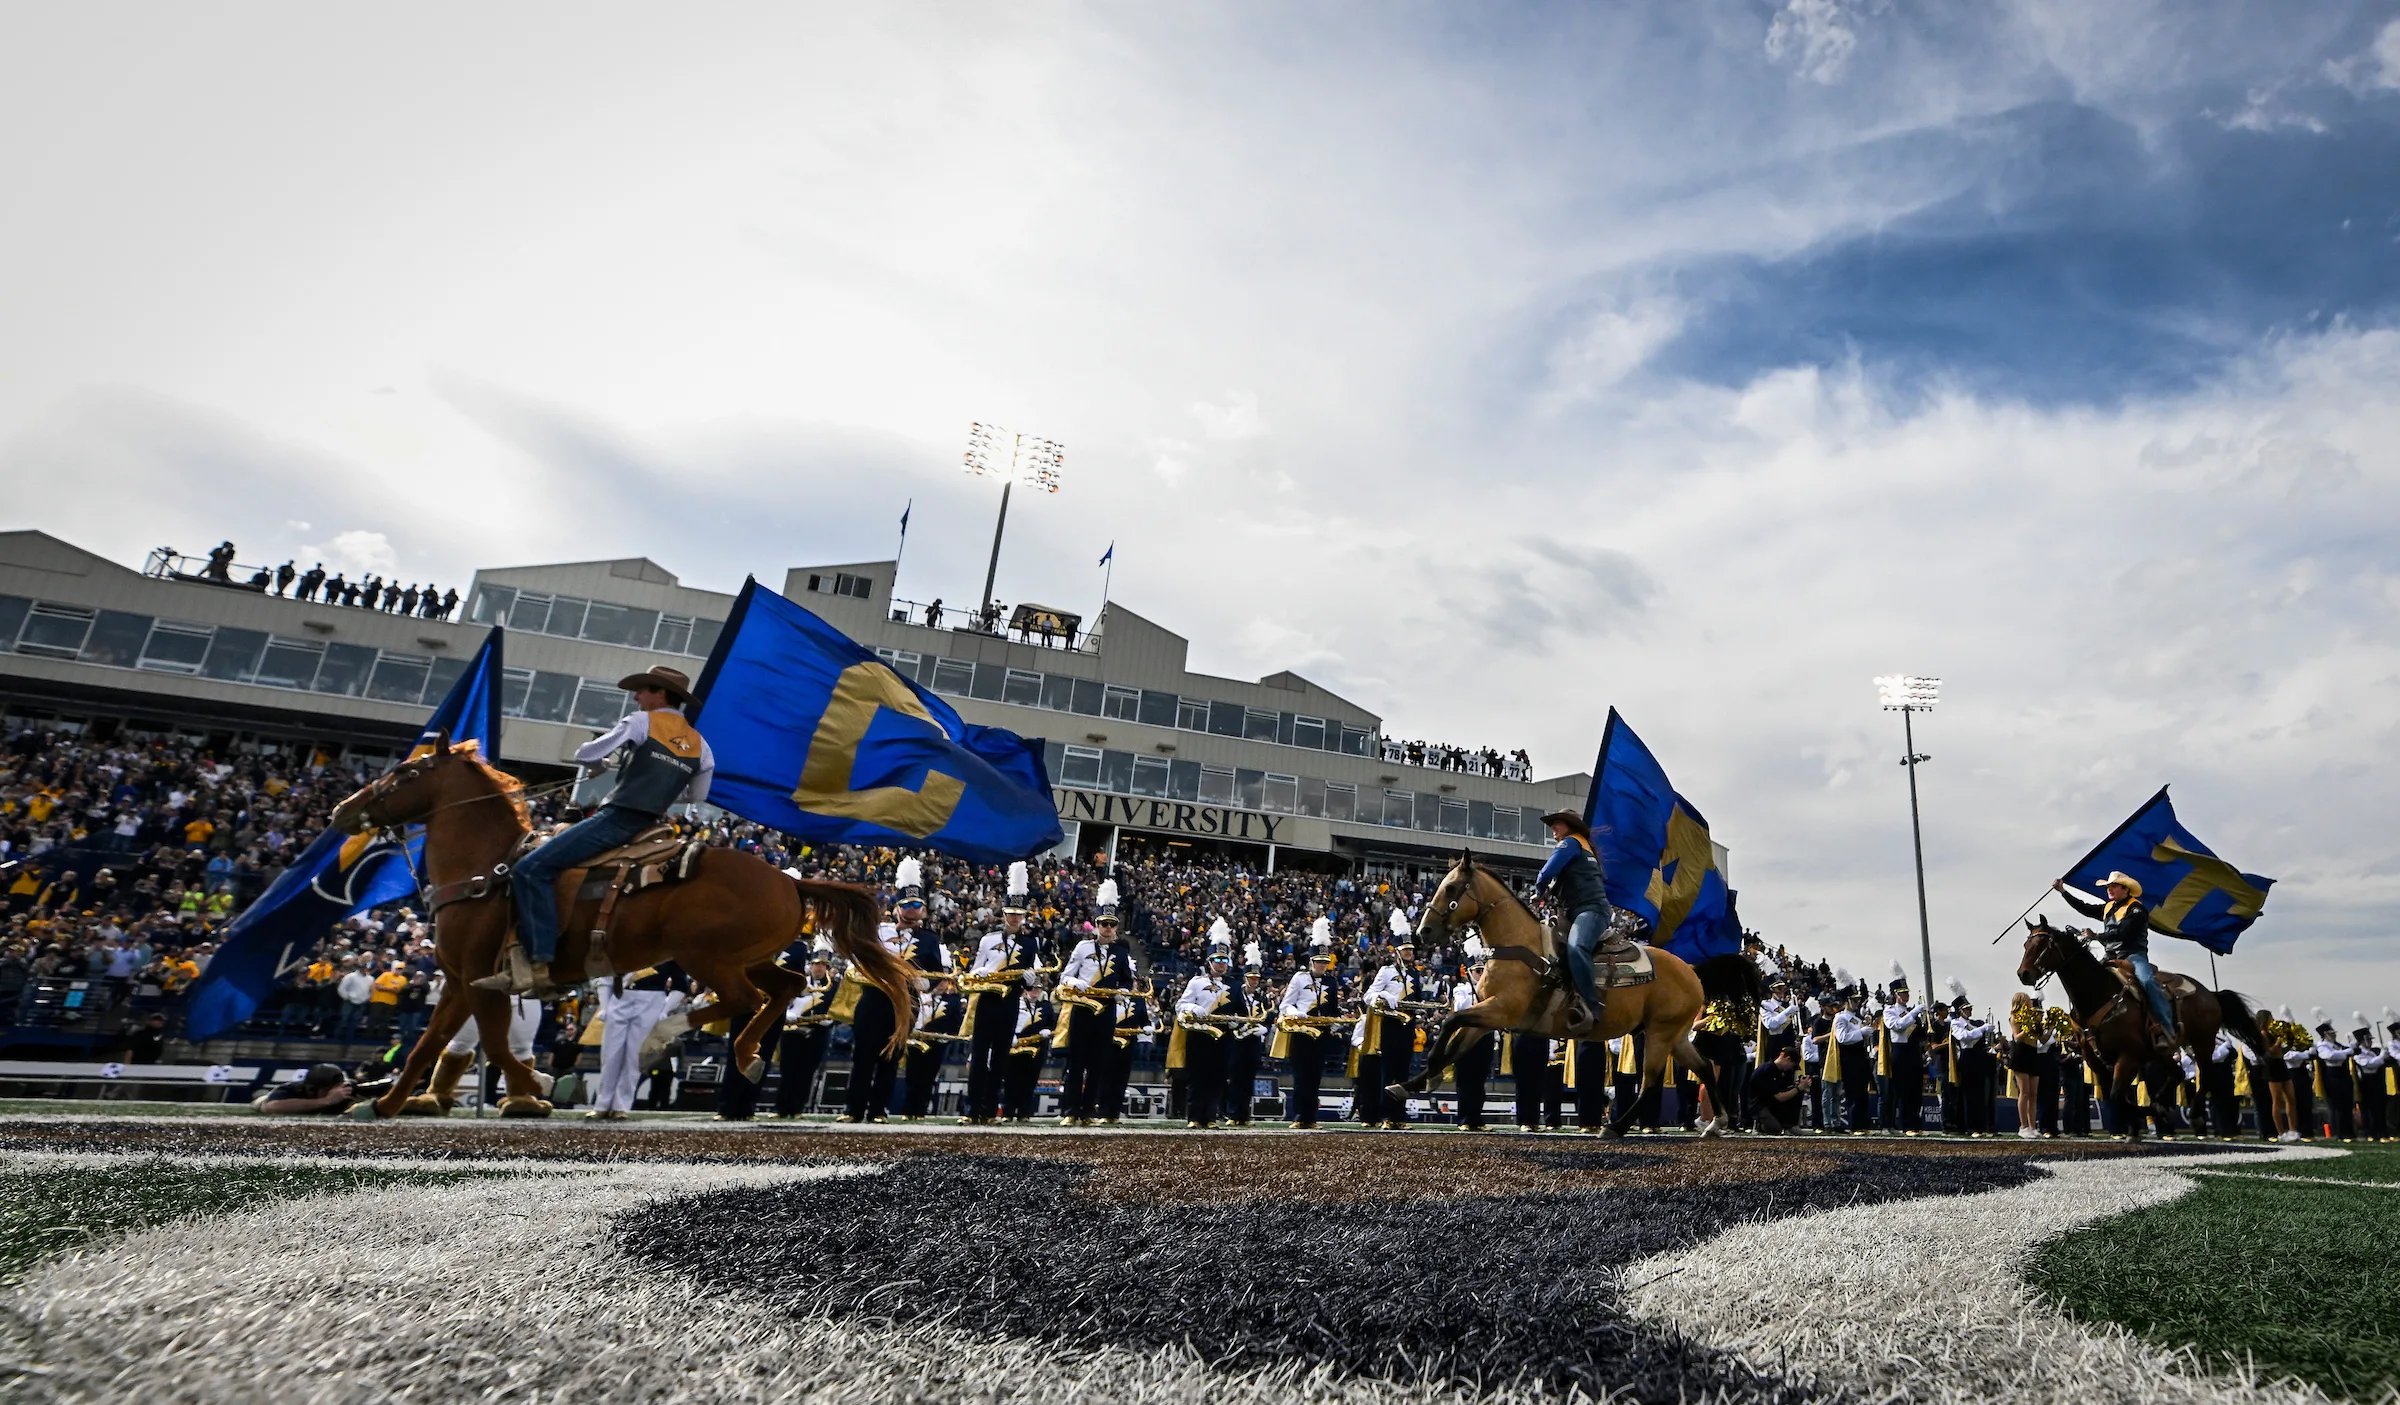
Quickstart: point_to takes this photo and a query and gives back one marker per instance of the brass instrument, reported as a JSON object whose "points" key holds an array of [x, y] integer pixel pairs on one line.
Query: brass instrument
{"points": [[923, 1040], [1030, 1044], [995, 982], [1315, 1024]]}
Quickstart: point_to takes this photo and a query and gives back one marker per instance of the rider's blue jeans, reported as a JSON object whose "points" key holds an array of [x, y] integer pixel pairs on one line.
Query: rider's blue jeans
{"points": [[1583, 942], [2147, 974], [535, 881]]}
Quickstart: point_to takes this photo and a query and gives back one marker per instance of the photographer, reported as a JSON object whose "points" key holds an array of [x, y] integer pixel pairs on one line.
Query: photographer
{"points": [[1775, 1093]]}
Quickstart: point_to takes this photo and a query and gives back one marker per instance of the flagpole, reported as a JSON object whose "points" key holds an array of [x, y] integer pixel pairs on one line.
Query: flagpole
{"points": [[1107, 579], [902, 553]]}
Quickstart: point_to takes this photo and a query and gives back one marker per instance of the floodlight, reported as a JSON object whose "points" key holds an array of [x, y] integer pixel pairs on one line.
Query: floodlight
{"points": [[1905, 693]]}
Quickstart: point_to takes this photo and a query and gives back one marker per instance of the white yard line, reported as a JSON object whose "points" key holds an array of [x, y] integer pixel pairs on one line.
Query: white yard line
{"points": [[1924, 1300], [2292, 1180]]}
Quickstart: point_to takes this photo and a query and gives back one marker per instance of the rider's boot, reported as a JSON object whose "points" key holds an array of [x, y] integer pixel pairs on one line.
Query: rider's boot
{"points": [[523, 975], [1579, 965]]}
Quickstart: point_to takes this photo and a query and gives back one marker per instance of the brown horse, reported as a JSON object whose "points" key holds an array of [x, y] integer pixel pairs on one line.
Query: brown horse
{"points": [[1524, 992], [724, 925], [2116, 1019]]}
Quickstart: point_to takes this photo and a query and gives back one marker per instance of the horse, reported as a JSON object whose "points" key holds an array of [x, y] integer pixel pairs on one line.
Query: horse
{"points": [[1524, 991], [2121, 1035], [724, 924]]}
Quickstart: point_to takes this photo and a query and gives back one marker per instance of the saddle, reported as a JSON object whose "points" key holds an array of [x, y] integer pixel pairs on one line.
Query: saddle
{"points": [[1620, 961], [659, 854], [2173, 984]]}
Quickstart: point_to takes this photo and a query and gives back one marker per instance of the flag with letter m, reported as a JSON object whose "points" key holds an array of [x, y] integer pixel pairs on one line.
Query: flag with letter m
{"points": [[2191, 893], [817, 737]]}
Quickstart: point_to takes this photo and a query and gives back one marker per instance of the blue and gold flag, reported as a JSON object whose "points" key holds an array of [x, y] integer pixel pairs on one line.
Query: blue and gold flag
{"points": [[2191, 892], [816, 736], [1655, 849], [337, 875]]}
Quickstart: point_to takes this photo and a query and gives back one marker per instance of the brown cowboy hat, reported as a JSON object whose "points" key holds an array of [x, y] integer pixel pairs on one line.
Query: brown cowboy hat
{"points": [[1573, 822], [673, 682]]}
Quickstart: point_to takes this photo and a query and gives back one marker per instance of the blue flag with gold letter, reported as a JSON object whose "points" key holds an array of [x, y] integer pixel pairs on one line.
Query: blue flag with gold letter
{"points": [[1655, 850], [2191, 893], [335, 876], [816, 736]]}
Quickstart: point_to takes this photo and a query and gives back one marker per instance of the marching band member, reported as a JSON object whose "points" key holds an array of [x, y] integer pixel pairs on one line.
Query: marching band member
{"points": [[1087, 1026], [939, 1013], [2299, 1069], [1204, 1044], [1387, 1037], [997, 974], [1020, 1091], [1972, 1058], [2217, 1083], [1853, 1046], [1246, 1047], [628, 1016], [1474, 1065], [807, 1029], [2374, 1071], [871, 1026], [2333, 1078], [1137, 1022], [524, 1020], [1310, 994], [1903, 1024]]}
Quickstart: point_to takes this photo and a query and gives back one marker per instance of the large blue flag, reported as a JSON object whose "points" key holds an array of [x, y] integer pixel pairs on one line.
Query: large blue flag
{"points": [[1655, 848], [335, 876], [816, 736], [2191, 892]]}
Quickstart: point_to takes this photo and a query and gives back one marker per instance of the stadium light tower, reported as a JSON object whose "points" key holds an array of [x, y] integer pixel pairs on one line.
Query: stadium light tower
{"points": [[1013, 458], [1909, 696]]}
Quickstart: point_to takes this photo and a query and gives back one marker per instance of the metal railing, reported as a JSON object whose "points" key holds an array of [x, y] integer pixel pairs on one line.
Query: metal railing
{"points": [[992, 620], [167, 564]]}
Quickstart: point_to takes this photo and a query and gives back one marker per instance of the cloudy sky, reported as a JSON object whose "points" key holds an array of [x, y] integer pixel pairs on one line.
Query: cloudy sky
{"points": [[1490, 365]]}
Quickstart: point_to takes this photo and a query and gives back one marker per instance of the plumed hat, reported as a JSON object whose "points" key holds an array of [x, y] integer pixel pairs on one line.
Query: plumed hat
{"points": [[1957, 991], [1320, 936], [1899, 979], [1020, 883], [1253, 959], [909, 878]]}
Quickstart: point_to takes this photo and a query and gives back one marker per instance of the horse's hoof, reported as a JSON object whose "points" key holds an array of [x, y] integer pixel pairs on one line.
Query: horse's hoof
{"points": [[524, 1107], [1614, 1134], [382, 1108], [424, 1105], [754, 1071]]}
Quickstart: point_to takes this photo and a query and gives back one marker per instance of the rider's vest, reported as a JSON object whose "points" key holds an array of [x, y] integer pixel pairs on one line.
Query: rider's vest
{"points": [[2126, 929], [660, 767], [1581, 886]]}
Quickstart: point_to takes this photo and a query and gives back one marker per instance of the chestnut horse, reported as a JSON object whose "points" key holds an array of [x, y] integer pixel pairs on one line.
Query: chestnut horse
{"points": [[1522, 992], [724, 925], [2116, 1024]]}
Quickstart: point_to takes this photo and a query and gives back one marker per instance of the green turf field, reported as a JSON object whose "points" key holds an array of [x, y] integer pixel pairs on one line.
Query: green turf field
{"points": [[45, 1213], [2293, 1276]]}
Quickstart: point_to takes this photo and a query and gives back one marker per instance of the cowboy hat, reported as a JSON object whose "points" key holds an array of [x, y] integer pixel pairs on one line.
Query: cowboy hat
{"points": [[673, 682], [2132, 884], [1573, 822]]}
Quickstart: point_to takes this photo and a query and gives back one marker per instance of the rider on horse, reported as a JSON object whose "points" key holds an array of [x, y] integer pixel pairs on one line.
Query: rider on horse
{"points": [[2125, 936], [1577, 884], [669, 764]]}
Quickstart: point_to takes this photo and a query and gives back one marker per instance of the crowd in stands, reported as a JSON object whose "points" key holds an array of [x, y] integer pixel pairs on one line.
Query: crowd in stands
{"points": [[1468, 761]]}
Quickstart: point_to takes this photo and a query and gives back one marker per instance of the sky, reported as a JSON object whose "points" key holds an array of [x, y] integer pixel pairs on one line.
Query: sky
{"points": [[1491, 366]]}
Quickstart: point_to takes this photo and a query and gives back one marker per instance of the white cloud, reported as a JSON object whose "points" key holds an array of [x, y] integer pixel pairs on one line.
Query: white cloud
{"points": [[2375, 67], [1814, 38], [356, 553], [1237, 418]]}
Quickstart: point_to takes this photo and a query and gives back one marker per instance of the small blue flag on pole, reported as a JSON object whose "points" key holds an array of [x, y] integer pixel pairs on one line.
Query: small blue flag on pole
{"points": [[337, 875], [912, 506], [817, 737], [2191, 892], [1655, 850], [1108, 555]]}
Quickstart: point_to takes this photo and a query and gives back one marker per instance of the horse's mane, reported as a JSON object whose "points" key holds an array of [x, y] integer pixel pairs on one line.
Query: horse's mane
{"points": [[1511, 894], [508, 786]]}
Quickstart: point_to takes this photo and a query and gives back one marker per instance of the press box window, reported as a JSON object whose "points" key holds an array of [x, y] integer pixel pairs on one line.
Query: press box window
{"points": [[1123, 704], [1151, 776], [1282, 794], [1258, 724], [842, 583], [54, 631], [1341, 801], [1308, 732], [1216, 785], [1191, 715], [1024, 688], [954, 676], [1081, 767], [177, 648]]}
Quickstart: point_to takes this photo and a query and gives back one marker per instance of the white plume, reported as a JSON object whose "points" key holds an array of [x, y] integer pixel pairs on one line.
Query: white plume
{"points": [[1108, 892], [822, 946], [1320, 933], [1400, 927], [1813, 1007], [1475, 949], [1767, 966], [2358, 1020], [1220, 931], [1020, 879], [910, 874], [1957, 991], [1252, 956], [1899, 972], [2284, 1013], [2316, 1016]]}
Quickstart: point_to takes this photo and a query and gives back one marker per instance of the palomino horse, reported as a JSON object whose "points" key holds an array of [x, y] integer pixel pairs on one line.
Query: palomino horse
{"points": [[724, 925], [2116, 1019], [1523, 992]]}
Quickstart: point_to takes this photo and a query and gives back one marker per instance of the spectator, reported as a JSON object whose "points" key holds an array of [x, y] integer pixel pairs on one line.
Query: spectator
{"points": [[356, 988]]}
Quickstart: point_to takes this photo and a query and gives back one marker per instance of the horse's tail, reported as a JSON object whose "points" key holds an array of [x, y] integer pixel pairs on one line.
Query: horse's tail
{"points": [[849, 915], [1733, 978], [2236, 1017]]}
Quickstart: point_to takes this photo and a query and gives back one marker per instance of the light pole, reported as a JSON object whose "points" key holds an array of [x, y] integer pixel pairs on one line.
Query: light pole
{"points": [[1013, 458], [1908, 696]]}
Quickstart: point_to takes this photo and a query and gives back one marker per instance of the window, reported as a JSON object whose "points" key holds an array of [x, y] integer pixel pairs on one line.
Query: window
{"points": [[490, 605], [1535, 831], [1158, 709], [1453, 816], [399, 678], [1088, 697], [991, 679], [704, 637], [1150, 775], [1024, 688], [54, 631], [1312, 796], [954, 676], [1354, 740], [1429, 812], [1258, 724], [675, 635], [1116, 771], [1341, 801], [551, 696], [177, 648], [1399, 808], [529, 612], [1191, 714], [1082, 767], [626, 625], [1054, 756], [1058, 692], [1309, 732], [344, 672], [116, 639], [903, 663], [1504, 823], [843, 583], [233, 655], [1183, 780], [1123, 704], [1216, 785], [514, 682], [290, 663], [599, 703], [1282, 794], [1249, 788], [1224, 719], [1479, 818], [12, 619], [445, 673], [566, 617]]}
